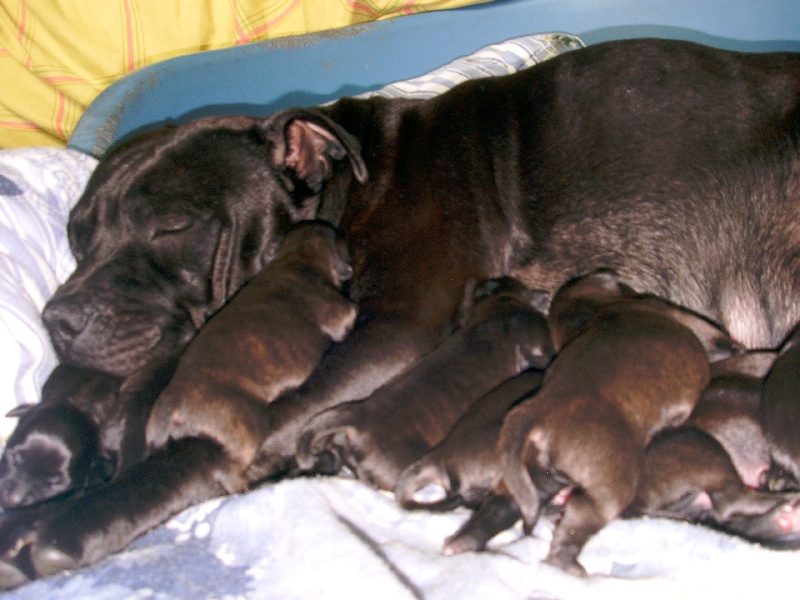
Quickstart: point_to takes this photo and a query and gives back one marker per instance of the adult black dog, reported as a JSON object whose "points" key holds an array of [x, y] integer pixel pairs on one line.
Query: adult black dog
{"points": [[674, 164]]}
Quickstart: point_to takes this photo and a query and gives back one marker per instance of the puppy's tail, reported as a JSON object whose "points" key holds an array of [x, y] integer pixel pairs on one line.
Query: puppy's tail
{"points": [[516, 437], [424, 484]]}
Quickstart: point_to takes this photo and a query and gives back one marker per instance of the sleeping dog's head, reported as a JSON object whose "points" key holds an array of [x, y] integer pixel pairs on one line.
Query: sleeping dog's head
{"points": [[174, 222]]}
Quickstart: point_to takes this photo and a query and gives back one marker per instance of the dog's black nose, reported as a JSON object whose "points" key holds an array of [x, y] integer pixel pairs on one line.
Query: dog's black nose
{"points": [[64, 319]]}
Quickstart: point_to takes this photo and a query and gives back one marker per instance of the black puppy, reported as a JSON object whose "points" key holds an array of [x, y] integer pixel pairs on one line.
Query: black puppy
{"points": [[504, 332], [87, 427]]}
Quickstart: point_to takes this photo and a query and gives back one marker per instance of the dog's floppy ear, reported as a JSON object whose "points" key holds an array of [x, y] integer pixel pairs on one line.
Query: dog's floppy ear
{"points": [[304, 146]]}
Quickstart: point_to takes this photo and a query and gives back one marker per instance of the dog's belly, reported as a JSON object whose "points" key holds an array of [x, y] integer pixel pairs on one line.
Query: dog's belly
{"points": [[736, 305], [723, 244]]}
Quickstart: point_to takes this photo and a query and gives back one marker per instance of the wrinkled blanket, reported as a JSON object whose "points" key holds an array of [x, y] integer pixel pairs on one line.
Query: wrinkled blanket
{"points": [[332, 537], [337, 538]]}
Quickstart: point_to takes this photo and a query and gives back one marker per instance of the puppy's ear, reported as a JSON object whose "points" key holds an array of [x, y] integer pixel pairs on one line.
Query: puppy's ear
{"points": [[540, 300], [605, 281], [305, 144]]}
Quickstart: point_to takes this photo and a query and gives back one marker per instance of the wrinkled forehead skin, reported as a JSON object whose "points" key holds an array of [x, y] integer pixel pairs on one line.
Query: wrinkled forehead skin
{"points": [[159, 180], [170, 226]]}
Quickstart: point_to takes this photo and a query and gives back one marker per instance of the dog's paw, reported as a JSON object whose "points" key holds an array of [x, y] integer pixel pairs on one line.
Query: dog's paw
{"points": [[422, 485], [779, 528], [496, 514], [28, 543], [330, 442], [568, 565], [48, 560], [19, 530]]}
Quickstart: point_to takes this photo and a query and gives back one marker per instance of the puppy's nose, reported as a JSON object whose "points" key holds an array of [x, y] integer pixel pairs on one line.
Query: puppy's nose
{"points": [[10, 495], [64, 319]]}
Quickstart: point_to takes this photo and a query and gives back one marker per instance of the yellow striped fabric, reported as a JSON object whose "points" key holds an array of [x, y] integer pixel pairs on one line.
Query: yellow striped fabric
{"points": [[57, 55]]}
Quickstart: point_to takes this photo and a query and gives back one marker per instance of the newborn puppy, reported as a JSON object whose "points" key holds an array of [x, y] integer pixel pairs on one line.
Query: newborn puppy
{"points": [[779, 414], [266, 340], [702, 471], [504, 332], [728, 411], [688, 475], [86, 428], [464, 468], [628, 367]]}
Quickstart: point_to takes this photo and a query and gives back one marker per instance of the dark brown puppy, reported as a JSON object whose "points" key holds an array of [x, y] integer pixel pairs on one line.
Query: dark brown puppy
{"points": [[702, 472], [609, 156], [728, 411], [87, 427], [707, 470], [688, 475], [627, 367], [779, 413], [267, 341], [464, 468], [207, 424], [504, 332]]}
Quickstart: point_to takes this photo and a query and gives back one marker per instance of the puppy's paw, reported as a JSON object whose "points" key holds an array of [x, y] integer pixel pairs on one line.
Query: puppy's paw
{"points": [[568, 565], [497, 513], [19, 532], [779, 528], [423, 485], [330, 442], [48, 560], [11, 576]]}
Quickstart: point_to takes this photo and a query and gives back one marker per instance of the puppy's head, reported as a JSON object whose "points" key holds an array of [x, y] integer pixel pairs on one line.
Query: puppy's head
{"points": [[578, 300], [507, 302], [317, 244], [49, 453]]}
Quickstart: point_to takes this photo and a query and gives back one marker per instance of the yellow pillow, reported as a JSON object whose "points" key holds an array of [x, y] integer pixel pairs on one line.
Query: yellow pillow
{"points": [[57, 55]]}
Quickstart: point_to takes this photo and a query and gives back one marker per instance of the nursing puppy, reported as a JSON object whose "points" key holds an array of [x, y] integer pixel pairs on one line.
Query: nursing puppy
{"points": [[708, 470], [688, 475], [628, 366], [464, 468], [504, 332], [267, 340], [208, 422], [702, 472], [728, 411], [87, 427], [780, 415]]}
